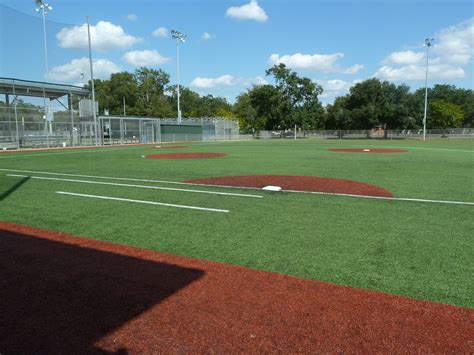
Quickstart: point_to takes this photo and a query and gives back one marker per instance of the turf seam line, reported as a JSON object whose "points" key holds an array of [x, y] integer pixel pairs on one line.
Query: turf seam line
{"points": [[137, 186], [143, 202]]}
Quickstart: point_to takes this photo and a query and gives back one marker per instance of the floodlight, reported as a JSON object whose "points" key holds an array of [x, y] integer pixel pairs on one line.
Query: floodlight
{"points": [[428, 42], [178, 36]]}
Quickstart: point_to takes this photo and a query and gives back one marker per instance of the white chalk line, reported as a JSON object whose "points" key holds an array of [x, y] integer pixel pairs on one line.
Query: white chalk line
{"points": [[384, 198], [132, 179], [136, 186], [143, 202], [254, 188]]}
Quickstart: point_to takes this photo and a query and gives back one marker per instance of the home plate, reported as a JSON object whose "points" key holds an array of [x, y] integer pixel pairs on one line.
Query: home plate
{"points": [[272, 188], [366, 150]]}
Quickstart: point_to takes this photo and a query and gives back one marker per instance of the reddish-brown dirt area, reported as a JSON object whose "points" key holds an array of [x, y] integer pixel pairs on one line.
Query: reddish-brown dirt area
{"points": [[66, 294], [185, 155], [298, 183], [368, 150]]}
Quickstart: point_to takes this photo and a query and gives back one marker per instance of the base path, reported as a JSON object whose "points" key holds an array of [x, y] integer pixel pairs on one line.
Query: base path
{"points": [[65, 294]]}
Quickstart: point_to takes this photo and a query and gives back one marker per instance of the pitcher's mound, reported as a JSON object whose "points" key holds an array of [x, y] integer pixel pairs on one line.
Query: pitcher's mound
{"points": [[298, 183], [368, 150], [186, 155]]}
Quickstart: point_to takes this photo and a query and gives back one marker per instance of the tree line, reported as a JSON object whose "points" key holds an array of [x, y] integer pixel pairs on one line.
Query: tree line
{"points": [[292, 100]]}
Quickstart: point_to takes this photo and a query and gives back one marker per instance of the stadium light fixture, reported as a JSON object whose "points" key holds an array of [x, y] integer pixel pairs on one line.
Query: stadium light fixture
{"points": [[428, 43], [179, 37]]}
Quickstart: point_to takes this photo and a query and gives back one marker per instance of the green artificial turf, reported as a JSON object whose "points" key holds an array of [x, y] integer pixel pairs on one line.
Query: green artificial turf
{"points": [[415, 249]]}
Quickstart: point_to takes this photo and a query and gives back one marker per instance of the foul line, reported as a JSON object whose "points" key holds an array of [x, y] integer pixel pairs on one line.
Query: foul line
{"points": [[143, 202], [384, 198], [137, 186], [58, 152], [230, 187], [132, 179]]}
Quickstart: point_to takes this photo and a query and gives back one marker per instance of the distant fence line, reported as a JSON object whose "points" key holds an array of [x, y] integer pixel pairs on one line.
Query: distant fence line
{"points": [[453, 133]]}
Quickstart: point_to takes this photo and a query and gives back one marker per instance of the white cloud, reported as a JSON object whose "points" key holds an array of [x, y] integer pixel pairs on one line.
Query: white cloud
{"points": [[336, 85], [145, 58], [254, 81], [456, 44], [161, 32], [71, 72], [314, 62], [209, 83], [417, 72], [250, 11], [132, 17], [206, 36], [104, 36], [226, 81], [452, 50], [404, 58]]}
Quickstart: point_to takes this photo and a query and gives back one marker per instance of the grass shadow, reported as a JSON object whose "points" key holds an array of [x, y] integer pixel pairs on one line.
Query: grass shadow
{"points": [[62, 298], [13, 188]]}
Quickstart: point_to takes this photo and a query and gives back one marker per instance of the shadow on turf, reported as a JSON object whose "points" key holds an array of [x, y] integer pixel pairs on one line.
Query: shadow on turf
{"points": [[12, 189], [62, 298]]}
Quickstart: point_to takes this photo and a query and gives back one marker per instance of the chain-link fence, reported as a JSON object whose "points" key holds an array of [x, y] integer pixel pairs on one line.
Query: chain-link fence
{"points": [[453, 133], [27, 128]]}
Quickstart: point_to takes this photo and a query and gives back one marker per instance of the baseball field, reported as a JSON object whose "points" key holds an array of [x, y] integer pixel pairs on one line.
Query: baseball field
{"points": [[176, 247]]}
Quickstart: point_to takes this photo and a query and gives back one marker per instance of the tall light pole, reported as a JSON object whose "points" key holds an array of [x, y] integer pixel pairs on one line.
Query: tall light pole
{"points": [[428, 42], [94, 113], [180, 37], [43, 8]]}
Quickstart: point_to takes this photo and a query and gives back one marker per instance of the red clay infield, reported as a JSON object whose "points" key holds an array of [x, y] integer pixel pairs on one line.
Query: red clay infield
{"points": [[298, 183], [368, 150], [185, 155], [66, 294]]}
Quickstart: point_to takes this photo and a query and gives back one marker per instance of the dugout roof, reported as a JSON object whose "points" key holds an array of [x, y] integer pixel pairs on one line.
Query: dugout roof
{"points": [[52, 91]]}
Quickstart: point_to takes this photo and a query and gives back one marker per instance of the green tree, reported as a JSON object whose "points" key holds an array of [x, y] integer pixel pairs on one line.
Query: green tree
{"points": [[245, 112], [444, 114], [301, 105], [373, 103], [152, 85], [463, 98], [270, 107], [337, 116]]}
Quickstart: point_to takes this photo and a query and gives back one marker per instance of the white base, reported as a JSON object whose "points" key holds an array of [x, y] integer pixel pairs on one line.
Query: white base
{"points": [[272, 188]]}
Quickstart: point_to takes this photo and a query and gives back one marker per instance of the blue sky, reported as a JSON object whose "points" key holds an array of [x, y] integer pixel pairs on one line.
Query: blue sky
{"points": [[231, 42]]}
